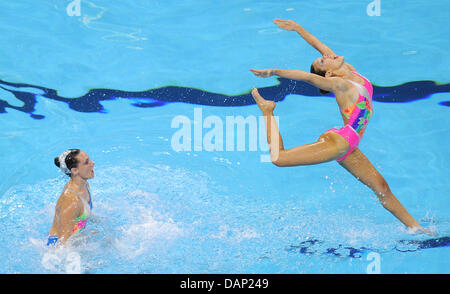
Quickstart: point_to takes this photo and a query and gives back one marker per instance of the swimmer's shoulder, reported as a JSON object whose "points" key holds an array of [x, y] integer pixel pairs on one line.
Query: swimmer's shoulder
{"points": [[350, 67], [68, 199]]}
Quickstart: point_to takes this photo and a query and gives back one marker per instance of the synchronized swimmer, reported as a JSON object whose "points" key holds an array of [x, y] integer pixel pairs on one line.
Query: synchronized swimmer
{"points": [[353, 92], [74, 204], [329, 73]]}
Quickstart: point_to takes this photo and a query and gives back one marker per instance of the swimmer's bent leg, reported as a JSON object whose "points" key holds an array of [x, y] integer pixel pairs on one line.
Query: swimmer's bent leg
{"points": [[330, 146]]}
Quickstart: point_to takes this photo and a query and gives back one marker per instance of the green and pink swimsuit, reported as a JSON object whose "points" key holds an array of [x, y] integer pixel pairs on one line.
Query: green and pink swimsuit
{"points": [[80, 222], [358, 116]]}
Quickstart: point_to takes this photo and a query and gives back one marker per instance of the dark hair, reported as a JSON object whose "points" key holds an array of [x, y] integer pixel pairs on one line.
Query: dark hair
{"points": [[320, 73], [70, 160]]}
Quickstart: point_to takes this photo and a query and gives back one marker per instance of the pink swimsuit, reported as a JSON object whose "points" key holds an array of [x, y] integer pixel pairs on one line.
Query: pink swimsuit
{"points": [[358, 116]]}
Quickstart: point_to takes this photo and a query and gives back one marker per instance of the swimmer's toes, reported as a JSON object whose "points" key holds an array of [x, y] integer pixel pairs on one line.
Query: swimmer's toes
{"points": [[256, 95], [429, 232], [263, 104]]}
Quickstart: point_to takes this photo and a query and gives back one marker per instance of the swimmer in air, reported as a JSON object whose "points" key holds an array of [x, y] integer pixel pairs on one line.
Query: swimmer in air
{"points": [[353, 92], [74, 204]]}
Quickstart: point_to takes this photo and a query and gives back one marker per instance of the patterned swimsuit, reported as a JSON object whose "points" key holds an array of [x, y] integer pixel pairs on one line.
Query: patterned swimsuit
{"points": [[80, 222], [357, 115]]}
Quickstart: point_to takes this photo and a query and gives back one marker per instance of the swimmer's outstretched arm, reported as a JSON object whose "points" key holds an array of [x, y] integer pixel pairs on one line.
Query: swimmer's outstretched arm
{"points": [[331, 84], [290, 25]]}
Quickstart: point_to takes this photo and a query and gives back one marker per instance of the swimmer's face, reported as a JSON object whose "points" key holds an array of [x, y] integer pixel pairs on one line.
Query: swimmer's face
{"points": [[328, 63], [85, 167]]}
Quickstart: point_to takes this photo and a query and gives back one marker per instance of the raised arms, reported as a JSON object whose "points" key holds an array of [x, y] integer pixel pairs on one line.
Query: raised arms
{"points": [[331, 84], [290, 25]]}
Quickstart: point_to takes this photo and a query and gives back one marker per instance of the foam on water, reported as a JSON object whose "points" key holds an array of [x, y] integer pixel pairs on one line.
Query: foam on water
{"points": [[163, 219]]}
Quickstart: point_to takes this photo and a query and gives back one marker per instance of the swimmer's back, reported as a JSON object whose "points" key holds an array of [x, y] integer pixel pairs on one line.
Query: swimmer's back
{"points": [[69, 202], [69, 207]]}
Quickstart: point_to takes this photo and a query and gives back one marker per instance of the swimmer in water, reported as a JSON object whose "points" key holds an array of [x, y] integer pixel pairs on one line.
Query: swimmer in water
{"points": [[74, 204], [353, 92]]}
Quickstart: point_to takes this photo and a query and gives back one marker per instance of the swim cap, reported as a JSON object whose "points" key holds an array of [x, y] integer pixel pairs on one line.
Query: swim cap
{"points": [[62, 162]]}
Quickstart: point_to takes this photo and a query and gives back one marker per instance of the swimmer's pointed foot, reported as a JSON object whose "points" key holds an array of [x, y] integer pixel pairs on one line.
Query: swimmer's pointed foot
{"points": [[429, 232], [266, 106], [421, 230]]}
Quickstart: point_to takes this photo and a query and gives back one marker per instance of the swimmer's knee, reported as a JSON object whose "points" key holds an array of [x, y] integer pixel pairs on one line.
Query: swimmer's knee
{"points": [[381, 187], [276, 158], [278, 163]]}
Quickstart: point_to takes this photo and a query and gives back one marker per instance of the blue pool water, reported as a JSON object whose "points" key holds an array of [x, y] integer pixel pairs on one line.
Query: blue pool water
{"points": [[112, 80]]}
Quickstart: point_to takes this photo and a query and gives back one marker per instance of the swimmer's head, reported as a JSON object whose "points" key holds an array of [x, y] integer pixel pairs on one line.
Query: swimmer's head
{"points": [[75, 162], [320, 73], [326, 66]]}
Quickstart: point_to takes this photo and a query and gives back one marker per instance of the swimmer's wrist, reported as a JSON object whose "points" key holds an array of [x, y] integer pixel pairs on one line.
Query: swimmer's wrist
{"points": [[298, 27]]}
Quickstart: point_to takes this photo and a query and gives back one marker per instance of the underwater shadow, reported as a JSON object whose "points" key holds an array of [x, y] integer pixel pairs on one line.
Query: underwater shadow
{"points": [[317, 247], [91, 101]]}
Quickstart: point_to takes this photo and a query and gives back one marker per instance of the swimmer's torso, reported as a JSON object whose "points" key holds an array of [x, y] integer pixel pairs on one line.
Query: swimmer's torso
{"points": [[84, 202], [357, 112]]}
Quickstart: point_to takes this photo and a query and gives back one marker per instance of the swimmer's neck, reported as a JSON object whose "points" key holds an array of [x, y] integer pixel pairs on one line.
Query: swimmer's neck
{"points": [[78, 181], [345, 72]]}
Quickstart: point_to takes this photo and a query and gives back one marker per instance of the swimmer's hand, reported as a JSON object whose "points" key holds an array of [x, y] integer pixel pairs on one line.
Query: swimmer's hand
{"points": [[263, 73], [288, 25]]}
